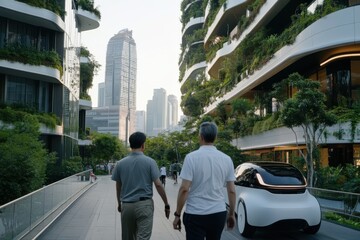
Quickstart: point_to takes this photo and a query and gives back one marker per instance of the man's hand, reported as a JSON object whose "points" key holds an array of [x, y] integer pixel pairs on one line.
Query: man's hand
{"points": [[231, 221], [119, 207], [167, 211], [177, 223]]}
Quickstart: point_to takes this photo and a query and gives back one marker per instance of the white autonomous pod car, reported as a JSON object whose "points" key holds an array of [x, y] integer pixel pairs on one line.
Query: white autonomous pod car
{"points": [[274, 195]]}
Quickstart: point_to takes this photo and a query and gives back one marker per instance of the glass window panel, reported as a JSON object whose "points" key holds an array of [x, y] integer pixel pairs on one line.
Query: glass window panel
{"points": [[355, 81], [2, 88], [3, 25], [21, 91], [339, 83]]}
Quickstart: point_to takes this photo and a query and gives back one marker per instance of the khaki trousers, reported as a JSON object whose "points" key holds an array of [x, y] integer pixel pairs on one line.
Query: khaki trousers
{"points": [[137, 220]]}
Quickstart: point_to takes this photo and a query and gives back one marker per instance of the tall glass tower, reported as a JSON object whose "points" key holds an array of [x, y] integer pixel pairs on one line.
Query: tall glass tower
{"points": [[120, 81]]}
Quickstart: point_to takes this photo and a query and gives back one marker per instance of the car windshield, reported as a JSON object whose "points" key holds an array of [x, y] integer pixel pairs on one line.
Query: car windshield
{"points": [[281, 175]]}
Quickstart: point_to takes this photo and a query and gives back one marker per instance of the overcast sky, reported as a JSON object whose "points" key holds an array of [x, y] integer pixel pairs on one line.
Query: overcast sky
{"points": [[157, 32]]}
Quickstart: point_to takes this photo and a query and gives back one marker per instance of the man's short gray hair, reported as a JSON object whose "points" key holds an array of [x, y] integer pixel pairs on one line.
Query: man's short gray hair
{"points": [[208, 130]]}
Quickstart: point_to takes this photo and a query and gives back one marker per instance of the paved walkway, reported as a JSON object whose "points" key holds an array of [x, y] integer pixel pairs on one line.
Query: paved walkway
{"points": [[94, 216]]}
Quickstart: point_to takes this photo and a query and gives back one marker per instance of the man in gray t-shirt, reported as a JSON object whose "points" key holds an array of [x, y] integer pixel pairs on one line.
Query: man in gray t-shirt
{"points": [[134, 176]]}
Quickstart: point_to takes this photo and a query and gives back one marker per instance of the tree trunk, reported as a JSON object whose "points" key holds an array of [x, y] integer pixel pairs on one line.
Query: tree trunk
{"points": [[310, 169]]}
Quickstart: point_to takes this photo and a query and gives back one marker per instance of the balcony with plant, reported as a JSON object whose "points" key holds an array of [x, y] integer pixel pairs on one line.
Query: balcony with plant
{"points": [[231, 38], [215, 6], [226, 19], [190, 41], [51, 5], [259, 47], [196, 55], [185, 4], [87, 72], [259, 116], [197, 96], [87, 5], [194, 10], [17, 112], [216, 44], [31, 56]]}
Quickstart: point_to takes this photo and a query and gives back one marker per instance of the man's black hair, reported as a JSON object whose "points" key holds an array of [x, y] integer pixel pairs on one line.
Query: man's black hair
{"points": [[137, 139]]}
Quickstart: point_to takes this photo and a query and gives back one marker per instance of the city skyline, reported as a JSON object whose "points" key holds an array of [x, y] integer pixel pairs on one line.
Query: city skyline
{"points": [[158, 50]]}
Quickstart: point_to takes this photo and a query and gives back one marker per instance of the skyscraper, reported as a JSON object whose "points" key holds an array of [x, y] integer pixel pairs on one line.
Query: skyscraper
{"points": [[140, 121], [101, 94], [120, 86], [157, 113], [172, 112]]}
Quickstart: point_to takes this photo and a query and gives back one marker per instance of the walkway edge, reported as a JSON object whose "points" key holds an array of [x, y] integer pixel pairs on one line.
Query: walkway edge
{"points": [[43, 225]]}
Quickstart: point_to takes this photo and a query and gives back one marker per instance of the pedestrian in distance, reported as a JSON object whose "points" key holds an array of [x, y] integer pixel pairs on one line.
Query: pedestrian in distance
{"points": [[134, 176], [163, 174], [204, 175], [174, 172]]}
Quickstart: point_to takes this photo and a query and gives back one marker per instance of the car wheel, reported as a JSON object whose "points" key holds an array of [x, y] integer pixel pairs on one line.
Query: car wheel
{"points": [[244, 228], [312, 229]]}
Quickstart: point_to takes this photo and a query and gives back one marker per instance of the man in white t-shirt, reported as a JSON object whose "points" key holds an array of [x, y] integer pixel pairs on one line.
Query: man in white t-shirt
{"points": [[204, 174]]}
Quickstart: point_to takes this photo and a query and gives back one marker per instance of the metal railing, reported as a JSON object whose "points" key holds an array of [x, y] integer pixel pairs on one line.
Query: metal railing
{"points": [[344, 203], [20, 216]]}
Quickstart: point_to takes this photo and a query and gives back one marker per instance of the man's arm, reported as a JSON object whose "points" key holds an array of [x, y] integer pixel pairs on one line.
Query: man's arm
{"points": [[181, 199], [232, 198], [160, 189], [118, 191]]}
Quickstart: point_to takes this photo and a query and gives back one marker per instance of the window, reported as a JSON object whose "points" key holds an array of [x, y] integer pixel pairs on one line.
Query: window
{"points": [[339, 84], [355, 81], [3, 24], [21, 91]]}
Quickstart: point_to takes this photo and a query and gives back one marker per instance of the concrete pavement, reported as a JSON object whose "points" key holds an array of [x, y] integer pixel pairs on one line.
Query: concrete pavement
{"points": [[94, 216]]}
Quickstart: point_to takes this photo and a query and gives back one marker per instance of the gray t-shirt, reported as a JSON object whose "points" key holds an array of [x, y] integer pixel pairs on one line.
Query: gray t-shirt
{"points": [[136, 172]]}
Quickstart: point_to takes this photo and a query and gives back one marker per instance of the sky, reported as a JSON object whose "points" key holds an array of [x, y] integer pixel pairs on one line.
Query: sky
{"points": [[156, 29]]}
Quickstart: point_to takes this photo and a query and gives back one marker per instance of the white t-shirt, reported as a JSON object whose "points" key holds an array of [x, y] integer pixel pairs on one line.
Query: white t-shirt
{"points": [[209, 170], [163, 171]]}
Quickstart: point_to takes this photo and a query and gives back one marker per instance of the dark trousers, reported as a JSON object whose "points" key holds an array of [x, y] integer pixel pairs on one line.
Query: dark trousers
{"points": [[198, 227]]}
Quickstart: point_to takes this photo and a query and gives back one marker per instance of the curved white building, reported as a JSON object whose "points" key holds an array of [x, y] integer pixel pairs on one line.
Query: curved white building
{"points": [[251, 45]]}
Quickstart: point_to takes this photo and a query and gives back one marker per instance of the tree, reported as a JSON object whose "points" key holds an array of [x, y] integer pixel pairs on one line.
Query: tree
{"points": [[23, 159], [241, 110], [222, 115], [106, 147], [307, 110], [157, 147]]}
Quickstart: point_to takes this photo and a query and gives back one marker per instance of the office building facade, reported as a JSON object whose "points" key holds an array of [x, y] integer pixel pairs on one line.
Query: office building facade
{"points": [[172, 112], [238, 49], [101, 94], [156, 113], [140, 121], [51, 83]]}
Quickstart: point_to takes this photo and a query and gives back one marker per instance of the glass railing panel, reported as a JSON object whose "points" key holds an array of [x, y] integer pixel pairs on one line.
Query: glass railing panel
{"points": [[49, 199], [22, 216], [7, 222], [37, 207], [344, 203], [18, 217]]}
